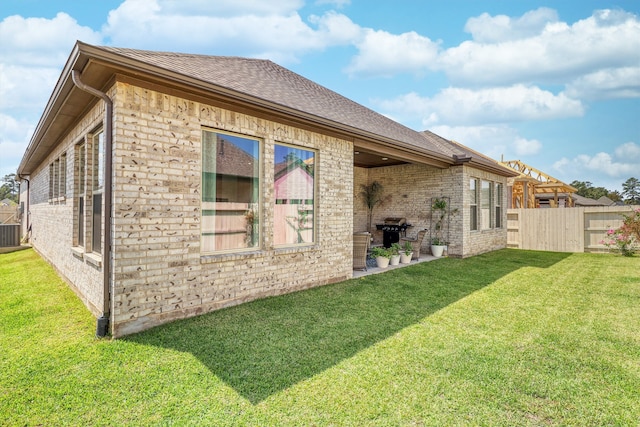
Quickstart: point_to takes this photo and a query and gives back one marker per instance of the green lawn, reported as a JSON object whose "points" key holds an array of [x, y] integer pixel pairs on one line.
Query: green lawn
{"points": [[507, 338]]}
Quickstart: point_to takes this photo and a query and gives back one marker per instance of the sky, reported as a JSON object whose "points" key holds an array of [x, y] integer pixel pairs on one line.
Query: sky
{"points": [[554, 84]]}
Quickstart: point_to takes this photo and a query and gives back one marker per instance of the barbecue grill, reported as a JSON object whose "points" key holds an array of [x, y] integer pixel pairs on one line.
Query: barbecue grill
{"points": [[391, 230]]}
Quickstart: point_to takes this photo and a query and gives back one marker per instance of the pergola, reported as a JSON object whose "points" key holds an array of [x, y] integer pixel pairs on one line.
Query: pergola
{"points": [[532, 182]]}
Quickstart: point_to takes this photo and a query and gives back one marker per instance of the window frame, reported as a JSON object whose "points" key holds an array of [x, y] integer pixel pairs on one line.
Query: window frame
{"points": [[253, 213], [97, 190], [80, 166], [279, 202], [473, 204], [58, 179], [486, 223], [497, 205]]}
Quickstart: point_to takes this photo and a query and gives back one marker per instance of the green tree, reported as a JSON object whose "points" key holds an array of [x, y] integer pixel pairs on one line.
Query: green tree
{"points": [[586, 189], [9, 190], [631, 191], [615, 196]]}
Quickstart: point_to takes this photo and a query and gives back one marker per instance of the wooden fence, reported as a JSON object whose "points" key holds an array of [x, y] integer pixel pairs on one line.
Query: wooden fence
{"points": [[9, 215], [563, 229]]}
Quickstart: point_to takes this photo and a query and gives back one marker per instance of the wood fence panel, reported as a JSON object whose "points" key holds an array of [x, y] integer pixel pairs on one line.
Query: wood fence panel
{"points": [[563, 230], [8, 214]]}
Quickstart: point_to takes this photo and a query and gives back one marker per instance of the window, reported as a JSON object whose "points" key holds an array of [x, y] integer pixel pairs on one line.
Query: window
{"points": [[486, 201], [58, 179], [81, 178], [294, 178], [230, 192], [498, 205], [97, 190], [473, 202]]}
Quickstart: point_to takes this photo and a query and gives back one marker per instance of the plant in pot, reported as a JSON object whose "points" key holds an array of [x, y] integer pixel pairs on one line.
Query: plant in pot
{"points": [[440, 213], [372, 196], [395, 253], [406, 253], [381, 255]]}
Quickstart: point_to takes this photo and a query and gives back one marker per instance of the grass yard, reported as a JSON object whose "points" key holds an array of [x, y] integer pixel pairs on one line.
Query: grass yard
{"points": [[502, 339]]}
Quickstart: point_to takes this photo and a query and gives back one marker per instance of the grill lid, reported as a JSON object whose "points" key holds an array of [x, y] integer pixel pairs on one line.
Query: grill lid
{"points": [[395, 221]]}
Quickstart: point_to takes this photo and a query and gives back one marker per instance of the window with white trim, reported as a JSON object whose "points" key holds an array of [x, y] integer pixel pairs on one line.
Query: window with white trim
{"points": [[486, 203], [498, 205], [473, 204]]}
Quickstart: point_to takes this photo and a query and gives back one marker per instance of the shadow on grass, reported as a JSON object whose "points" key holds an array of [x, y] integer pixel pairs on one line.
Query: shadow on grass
{"points": [[266, 346]]}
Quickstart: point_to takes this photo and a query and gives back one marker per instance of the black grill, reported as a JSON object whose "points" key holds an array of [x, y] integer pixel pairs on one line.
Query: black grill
{"points": [[391, 230]]}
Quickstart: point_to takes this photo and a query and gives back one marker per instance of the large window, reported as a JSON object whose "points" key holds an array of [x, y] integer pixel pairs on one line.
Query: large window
{"points": [[486, 201], [294, 172], [81, 179], [97, 190], [473, 209], [230, 192]]}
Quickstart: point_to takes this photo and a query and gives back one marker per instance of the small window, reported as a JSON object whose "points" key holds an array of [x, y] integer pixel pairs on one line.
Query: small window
{"points": [[294, 186], [58, 179], [230, 192], [486, 201], [498, 205], [473, 204]]}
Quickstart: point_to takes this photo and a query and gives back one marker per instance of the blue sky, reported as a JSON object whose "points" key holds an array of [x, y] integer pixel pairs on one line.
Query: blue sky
{"points": [[555, 84]]}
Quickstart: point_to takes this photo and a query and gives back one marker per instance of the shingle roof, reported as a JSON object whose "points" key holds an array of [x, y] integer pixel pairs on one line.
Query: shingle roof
{"points": [[250, 82], [271, 82]]}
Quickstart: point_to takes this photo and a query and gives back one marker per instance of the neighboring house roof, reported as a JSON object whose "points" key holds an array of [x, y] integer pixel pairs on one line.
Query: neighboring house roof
{"points": [[7, 202], [585, 201], [246, 83]]}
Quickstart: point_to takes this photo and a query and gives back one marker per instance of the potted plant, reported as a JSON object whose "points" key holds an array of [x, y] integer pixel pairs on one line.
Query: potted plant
{"points": [[406, 253], [395, 253], [440, 214], [371, 196], [381, 255]]}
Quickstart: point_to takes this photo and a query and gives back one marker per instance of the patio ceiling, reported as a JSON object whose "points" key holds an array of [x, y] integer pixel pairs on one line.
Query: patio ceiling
{"points": [[368, 159]]}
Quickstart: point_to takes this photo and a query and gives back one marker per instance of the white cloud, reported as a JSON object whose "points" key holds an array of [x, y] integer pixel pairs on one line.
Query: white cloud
{"points": [[623, 163], [384, 54], [494, 141], [608, 83], [220, 8], [492, 29], [14, 136], [458, 106], [245, 28], [337, 3], [629, 151], [606, 40], [24, 88], [39, 41]]}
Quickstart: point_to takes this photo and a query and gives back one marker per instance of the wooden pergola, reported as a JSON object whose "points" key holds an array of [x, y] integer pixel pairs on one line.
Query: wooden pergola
{"points": [[532, 182]]}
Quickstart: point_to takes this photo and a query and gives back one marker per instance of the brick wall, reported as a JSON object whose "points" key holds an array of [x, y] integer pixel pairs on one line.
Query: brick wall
{"points": [[52, 223], [159, 271]]}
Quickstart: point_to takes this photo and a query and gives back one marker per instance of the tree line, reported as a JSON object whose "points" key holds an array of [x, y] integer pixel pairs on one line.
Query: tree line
{"points": [[630, 194]]}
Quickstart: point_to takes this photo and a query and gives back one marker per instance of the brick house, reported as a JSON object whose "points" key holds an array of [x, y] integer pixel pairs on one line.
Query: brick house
{"points": [[153, 183]]}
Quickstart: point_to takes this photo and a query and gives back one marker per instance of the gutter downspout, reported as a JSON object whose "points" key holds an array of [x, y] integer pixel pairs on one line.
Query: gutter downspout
{"points": [[102, 324]]}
